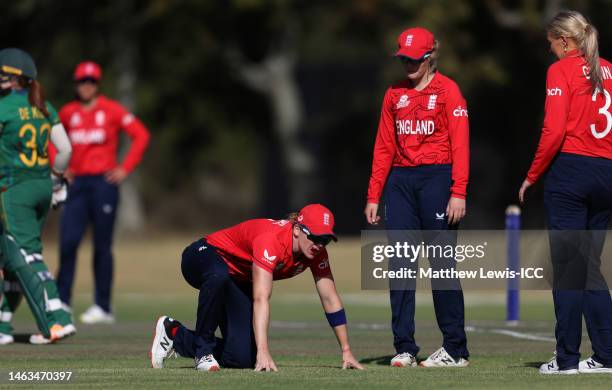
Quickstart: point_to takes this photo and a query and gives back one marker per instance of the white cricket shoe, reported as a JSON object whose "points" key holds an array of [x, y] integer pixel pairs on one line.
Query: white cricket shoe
{"points": [[441, 358], [69, 330], [551, 368], [6, 339], [96, 315], [592, 366], [66, 331], [207, 363], [403, 360], [162, 347], [57, 333]]}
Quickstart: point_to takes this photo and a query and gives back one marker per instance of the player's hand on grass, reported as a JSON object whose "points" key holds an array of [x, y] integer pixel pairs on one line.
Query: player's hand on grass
{"points": [[349, 361], [526, 184], [371, 213], [116, 175], [455, 210], [265, 362]]}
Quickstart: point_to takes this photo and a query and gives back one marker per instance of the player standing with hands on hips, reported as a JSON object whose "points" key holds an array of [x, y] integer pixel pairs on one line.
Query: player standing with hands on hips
{"points": [[233, 269], [421, 159], [575, 150], [93, 123]]}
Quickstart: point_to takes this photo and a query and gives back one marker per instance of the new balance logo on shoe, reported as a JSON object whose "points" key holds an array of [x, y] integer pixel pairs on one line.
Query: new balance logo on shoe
{"points": [[165, 343], [591, 363]]}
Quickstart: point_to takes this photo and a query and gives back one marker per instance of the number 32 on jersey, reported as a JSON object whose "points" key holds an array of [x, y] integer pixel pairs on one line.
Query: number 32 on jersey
{"points": [[603, 111], [32, 155]]}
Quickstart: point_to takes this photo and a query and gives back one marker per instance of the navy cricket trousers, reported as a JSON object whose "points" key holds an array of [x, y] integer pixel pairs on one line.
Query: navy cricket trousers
{"points": [[415, 203], [223, 303], [90, 199], [578, 200]]}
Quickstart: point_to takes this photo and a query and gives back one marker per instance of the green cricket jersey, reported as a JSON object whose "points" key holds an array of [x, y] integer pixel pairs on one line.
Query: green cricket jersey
{"points": [[24, 139]]}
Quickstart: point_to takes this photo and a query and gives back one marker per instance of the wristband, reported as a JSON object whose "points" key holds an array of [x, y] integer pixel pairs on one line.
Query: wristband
{"points": [[337, 318]]}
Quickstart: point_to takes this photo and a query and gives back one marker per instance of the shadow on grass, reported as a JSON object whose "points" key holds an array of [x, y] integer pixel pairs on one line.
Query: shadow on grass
{"points": [[380, 360], [23, 338], [533, 364], [339, 367]]}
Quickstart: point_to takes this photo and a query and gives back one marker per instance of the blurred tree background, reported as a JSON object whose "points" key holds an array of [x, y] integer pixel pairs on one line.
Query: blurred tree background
{"points": [[257, 107]]}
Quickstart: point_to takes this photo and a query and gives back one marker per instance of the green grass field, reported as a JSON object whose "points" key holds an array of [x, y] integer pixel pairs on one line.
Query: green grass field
{"points": [[304, 348]]}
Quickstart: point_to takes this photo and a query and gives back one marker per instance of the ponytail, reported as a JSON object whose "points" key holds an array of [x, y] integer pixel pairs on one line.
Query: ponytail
{"points": [[572, 24], [36, 97], [292, 217], [590, 48]]}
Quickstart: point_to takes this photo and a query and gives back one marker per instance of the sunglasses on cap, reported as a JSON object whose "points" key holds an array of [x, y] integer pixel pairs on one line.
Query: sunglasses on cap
{"points": [[410, 61], [317, 240]]}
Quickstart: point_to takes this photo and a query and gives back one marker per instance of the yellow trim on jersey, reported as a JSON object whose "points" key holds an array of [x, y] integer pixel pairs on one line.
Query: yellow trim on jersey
{"points": [[11, 70]]}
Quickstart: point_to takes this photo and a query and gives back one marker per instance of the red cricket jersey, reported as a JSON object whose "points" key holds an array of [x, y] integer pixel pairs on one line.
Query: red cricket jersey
{"points": [[267, 243], [422, 128], [575, 120], [94, 135]]}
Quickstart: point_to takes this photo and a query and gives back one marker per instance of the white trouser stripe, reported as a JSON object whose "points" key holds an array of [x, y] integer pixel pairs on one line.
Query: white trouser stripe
{"points": [[53, 304], [32, 258], [45, 276]]}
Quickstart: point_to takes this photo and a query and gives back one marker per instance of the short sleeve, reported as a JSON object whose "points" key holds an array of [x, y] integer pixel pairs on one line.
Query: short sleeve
{"points": [[265, 252], [53, 116]]}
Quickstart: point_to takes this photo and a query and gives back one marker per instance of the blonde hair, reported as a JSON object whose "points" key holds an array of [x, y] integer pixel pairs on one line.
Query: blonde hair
{"points": [[433, 57], [292, 217], [571, 24]]}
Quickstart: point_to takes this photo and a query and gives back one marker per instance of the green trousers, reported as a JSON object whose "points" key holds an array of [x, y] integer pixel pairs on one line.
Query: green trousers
{"points": [[23, 211]]}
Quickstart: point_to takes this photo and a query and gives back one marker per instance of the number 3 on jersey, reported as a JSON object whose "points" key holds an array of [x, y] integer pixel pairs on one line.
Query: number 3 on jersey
{"points": [[603, 111], [32, 155]]}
